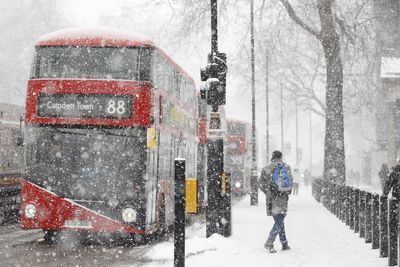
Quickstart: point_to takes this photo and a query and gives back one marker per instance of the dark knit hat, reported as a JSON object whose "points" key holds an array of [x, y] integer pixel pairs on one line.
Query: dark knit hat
{"points": [[276, 154]]}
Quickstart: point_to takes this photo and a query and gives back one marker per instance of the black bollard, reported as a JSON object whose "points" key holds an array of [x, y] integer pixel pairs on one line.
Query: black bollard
{"points": [[356, 210], [348, 204], [383, 222], [337, 201], [375, 221], [179, 225], [334, 207], [326, 189], [368, 217], [341, 202], [351, 209], [345, 204], [362, 214], [393, 231]]}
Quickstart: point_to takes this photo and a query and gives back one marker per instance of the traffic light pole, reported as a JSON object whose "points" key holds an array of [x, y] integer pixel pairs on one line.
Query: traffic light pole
{"points": [[214, 27], [215, 168], [218, 213]]}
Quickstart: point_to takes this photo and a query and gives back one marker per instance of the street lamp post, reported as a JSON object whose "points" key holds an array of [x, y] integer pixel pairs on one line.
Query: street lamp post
{"points": [[281, 96], [253, 179], [310, 125], [267, 107], [297, 133]]}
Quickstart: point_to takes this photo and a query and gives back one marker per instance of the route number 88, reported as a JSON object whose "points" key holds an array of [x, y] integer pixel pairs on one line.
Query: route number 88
{"points": [[118, 107]]}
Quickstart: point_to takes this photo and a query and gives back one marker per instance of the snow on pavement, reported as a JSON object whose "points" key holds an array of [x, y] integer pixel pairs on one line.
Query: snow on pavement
{"points": [[317, 238]]}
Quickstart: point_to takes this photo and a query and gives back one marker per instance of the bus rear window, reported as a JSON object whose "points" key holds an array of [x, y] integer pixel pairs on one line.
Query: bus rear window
{"points": [[83, 62], [236, 129]]}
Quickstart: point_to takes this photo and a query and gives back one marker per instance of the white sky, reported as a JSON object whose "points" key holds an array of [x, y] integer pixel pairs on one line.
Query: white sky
{"points": [[156, 23]]}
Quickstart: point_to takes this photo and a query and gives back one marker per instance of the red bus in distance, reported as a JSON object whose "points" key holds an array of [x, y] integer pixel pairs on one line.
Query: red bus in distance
{"points": [[238, 155]]}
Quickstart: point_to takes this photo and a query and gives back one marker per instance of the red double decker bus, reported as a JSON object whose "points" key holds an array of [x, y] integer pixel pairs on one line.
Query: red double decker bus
{"points": [[238, 155], [107, 112]]}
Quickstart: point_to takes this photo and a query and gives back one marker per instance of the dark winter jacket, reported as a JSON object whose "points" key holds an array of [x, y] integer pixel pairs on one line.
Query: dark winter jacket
{"points": [[393, 183], [278, 200]]}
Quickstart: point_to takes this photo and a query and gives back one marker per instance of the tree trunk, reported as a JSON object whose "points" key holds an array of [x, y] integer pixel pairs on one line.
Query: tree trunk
{"points": [[334, 154]]}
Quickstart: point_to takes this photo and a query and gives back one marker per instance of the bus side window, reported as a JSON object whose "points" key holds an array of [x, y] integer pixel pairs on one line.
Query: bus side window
{"points": [[145, 64]]}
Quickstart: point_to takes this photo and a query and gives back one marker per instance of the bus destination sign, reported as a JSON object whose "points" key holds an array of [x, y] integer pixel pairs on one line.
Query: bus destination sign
{"points": [[85, 106]]}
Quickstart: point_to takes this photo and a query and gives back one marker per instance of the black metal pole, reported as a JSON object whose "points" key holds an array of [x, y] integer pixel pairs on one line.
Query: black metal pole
{"points": [[311, 138], [362, 214], [215, 95], [179, 223], [267, 107], [226, 218], [384, 242], [254, 176], [297, 131], [375, 221], [368, 217], [334, 198], [356, 210], [352, 208], [214, 27], [348, 204], [281, 103], [342, 203], [334, 194], [215, 164], [393, 231]]}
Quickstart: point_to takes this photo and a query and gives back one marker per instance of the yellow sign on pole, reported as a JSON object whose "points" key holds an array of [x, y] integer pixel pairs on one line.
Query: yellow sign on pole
{"points": [[191, 195], [223, 176], [151, 138]]}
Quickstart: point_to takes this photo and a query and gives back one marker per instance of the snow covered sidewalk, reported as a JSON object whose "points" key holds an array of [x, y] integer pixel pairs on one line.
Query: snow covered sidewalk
{"points": [[317, 238]]}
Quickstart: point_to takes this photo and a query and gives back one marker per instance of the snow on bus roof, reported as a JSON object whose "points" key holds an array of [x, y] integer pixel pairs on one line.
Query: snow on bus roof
{"points": [[101, 36], [236, 120]]}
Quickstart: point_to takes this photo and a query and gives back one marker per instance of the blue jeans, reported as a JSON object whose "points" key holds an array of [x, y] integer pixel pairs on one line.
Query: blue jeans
{"points": [[278, 228]]}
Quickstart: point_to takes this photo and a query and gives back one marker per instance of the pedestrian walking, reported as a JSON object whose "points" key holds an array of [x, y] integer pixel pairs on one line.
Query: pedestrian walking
{"points": [[307, 177], [393, 182], [276, 182], [384, 174]]}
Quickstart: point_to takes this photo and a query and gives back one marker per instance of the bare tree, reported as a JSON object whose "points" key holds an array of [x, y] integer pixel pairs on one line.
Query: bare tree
{"points": [[334, 153]]}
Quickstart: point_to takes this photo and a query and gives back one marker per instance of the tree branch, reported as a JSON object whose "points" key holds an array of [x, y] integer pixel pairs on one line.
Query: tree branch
{"points": [[292, 14], [342, 26]]}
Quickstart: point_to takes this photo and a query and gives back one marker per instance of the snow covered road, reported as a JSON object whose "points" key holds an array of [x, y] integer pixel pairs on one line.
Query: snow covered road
{"points": [[317, 238]]}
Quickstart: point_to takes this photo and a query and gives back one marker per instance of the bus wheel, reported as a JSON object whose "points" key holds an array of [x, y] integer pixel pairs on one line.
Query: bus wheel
{"points": [[51, 236]]}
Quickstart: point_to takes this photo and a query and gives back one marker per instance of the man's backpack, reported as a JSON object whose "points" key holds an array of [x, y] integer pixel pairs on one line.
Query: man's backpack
{"points": [[281, 178]]}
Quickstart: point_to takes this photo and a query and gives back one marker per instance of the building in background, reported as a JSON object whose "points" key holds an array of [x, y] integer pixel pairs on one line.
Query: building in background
{"points": [[388, 78]]}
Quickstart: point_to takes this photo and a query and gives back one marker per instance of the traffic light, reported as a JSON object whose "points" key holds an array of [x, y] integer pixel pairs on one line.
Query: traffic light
{"points": [[215, 75]]}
